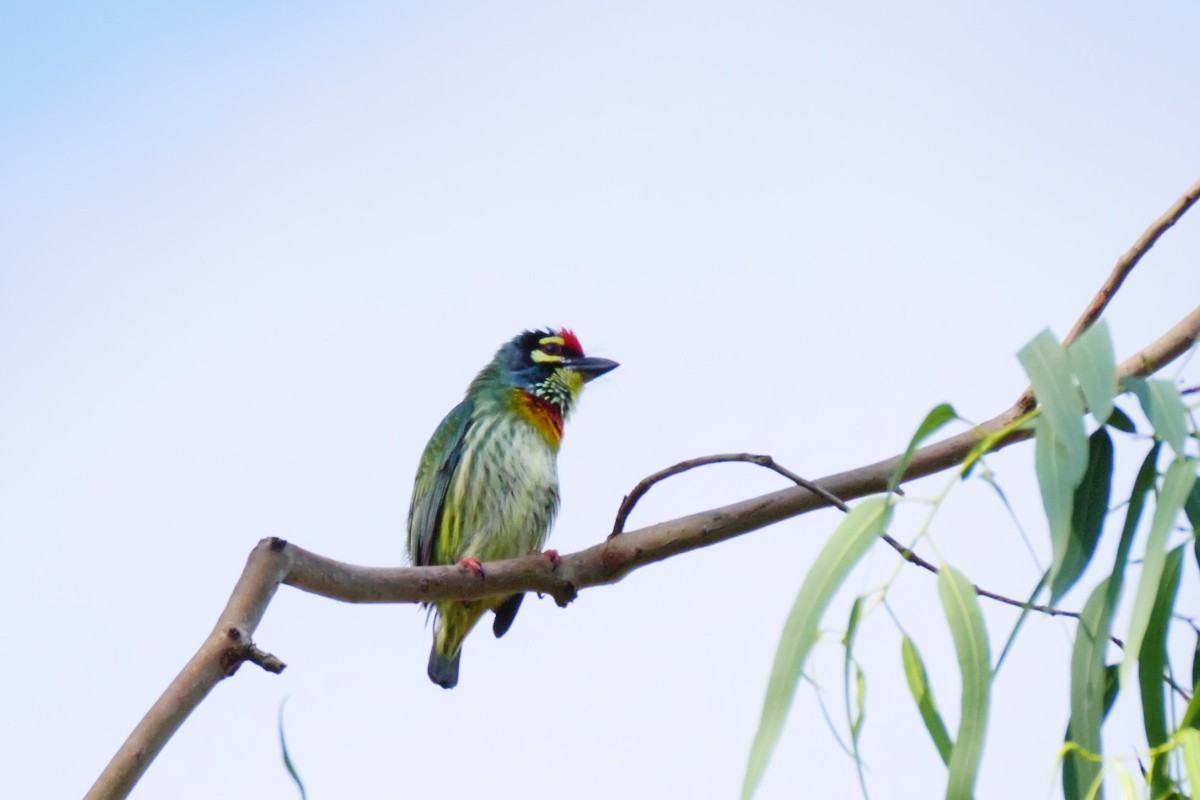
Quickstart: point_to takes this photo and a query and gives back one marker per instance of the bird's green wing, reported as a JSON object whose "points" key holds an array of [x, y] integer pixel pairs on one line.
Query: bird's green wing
{"points": [[438, 463]]}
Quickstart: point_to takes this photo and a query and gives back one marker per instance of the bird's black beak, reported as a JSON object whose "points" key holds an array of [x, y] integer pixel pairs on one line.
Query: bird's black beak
{"points": [[590, 367]]}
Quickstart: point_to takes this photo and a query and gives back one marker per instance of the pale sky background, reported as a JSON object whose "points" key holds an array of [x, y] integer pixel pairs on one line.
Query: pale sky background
{"points": [[250, 254]]}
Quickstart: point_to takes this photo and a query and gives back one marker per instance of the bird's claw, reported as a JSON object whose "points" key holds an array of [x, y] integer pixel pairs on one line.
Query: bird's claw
{"points": [[555, 558], [472, 564]]}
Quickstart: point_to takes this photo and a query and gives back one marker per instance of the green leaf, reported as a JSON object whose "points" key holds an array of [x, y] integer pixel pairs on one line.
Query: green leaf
{"points": [[1070, 776], [1189, 743], [1164, 407], [855, 711], [1061, 449], [1196, 662], [1045, 362], [1058, 485], [1142, 485], [287, 758], [1191, 507], [1153, 666], [933, 422], [1191, 717], [1176, 486], [922, 692], [849, 543], [974, 662], [1121, 421], [1012, 636], [1095, 367], [1087, 688], [1089, 507]]}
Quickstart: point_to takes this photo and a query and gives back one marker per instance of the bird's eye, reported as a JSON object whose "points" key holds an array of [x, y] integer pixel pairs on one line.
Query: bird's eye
{"points": [[552, 349]]}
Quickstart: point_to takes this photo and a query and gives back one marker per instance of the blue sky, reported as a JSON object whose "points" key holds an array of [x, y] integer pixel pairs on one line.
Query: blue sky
{"points": [[251, 254]]}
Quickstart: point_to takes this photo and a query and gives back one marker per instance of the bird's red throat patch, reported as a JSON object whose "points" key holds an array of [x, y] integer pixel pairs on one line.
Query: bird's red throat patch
{"points": [[543, 415]]}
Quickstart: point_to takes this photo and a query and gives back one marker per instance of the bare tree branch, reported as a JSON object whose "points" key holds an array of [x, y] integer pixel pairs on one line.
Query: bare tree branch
{"points": [[274, 562], [1124, 266]]}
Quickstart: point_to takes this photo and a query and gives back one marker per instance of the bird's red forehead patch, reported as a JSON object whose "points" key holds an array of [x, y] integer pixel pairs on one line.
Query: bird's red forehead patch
{"points": [[571, 341]]}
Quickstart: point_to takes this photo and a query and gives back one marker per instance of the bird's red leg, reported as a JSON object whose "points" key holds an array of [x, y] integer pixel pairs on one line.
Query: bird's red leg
{"points": [[554, 557], [472, 564]]}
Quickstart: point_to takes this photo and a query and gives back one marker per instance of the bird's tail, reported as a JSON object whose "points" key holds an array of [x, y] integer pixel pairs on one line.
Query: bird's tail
{"points": [[443, 669], [454, 621]]}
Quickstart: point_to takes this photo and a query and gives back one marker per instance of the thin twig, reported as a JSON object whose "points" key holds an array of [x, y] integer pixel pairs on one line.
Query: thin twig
{"points": [[906, 553], [1124, 266], [630, 500]]}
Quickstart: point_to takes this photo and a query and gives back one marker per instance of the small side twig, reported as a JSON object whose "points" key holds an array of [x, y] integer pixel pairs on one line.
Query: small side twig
{"points": [[243, 649], [645, 484], [906, 553]]}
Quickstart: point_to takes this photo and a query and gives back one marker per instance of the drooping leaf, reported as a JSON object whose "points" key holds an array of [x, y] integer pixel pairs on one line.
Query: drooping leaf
{"points": [[1189, 743], [1129, 787], [1142, 485], [933, 422], [1073, 786], [849, 543], [974, 662], [922, 692], [1087, 688], [1061, 449], [1095, 366], [287, 758], [1089, 507], [1121, 421], [1191, 507], [855, 707], [1045, 362], [1152, 667], [1058, 486], [1196, 662], [1012, 636], [1165, 409], [1181, 475]]}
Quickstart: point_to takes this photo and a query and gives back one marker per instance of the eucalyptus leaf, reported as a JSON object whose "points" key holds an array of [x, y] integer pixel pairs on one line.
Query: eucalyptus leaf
{"points": [[1164, 408], [287, 757], [974, 662], [848, 544], [933, 422], [1089, 507], [1189, 742], [1095, 366], [1152, 666], [1087, 690], [922, 692], [1181, 475], [1046, 363], [1120, 420]]}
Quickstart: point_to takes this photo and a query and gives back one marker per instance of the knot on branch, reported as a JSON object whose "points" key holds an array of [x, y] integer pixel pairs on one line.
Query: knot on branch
{"points": [[242, 649], [565, 593]]}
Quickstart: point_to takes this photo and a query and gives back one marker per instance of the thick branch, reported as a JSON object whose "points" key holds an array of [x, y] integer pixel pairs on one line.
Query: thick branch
{"points": [[275, 561]]}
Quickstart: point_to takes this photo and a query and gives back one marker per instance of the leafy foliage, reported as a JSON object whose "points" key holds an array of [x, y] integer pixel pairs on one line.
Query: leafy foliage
{"points": [[1075, 473]]}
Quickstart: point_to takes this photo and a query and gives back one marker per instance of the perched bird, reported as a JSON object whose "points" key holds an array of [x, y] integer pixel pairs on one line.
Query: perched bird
{"points": [[487, 485]]}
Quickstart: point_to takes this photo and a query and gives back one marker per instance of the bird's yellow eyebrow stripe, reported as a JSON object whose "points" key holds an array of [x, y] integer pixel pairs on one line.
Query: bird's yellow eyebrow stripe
{"points": [[545, 358]]}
